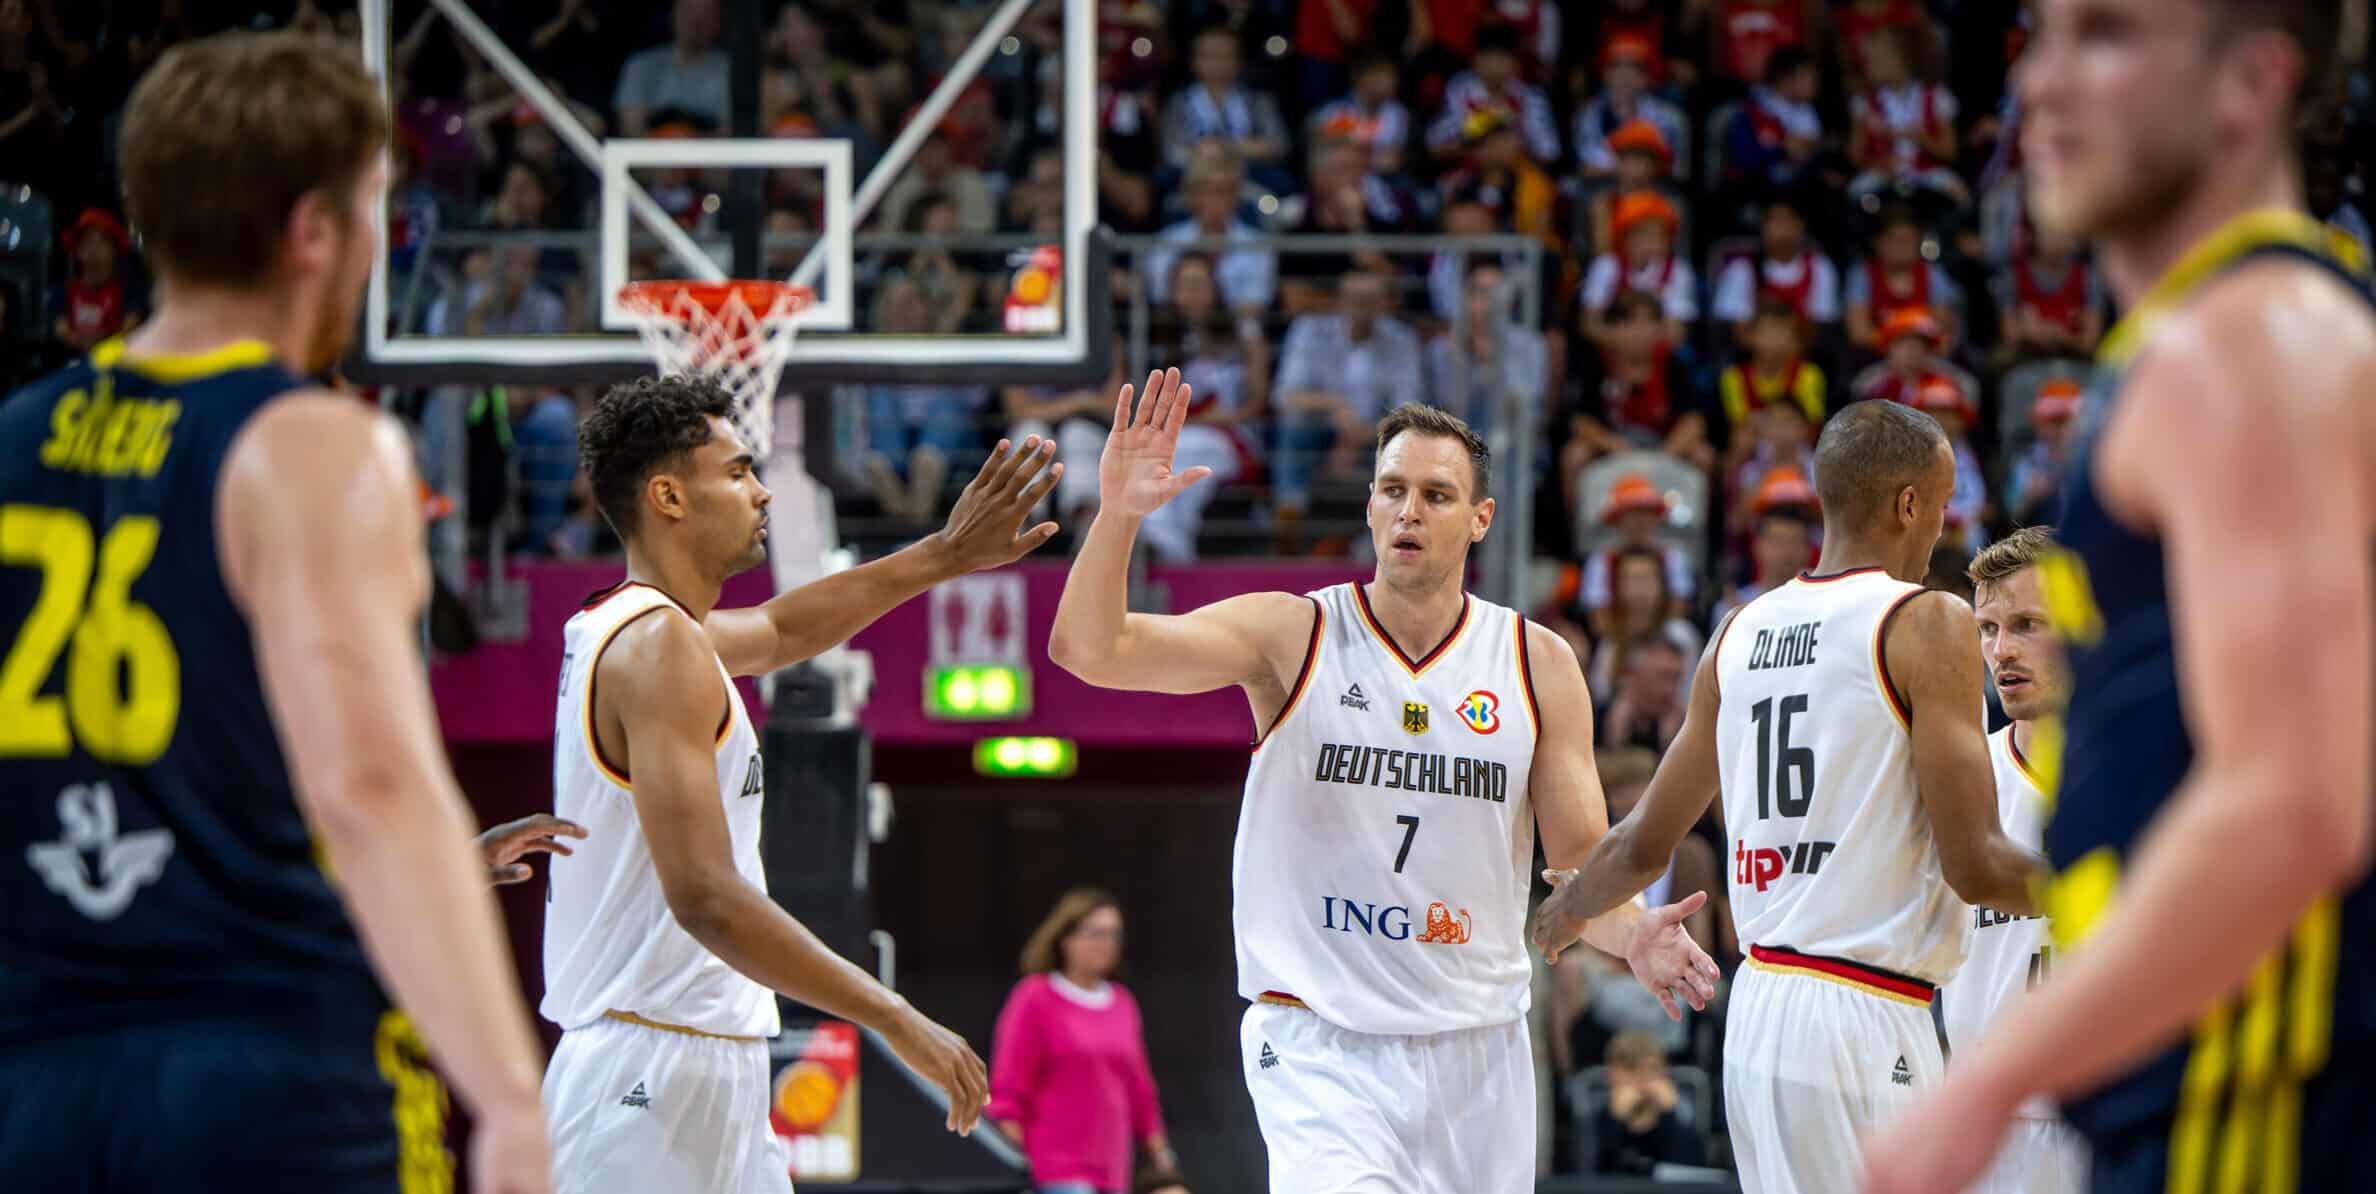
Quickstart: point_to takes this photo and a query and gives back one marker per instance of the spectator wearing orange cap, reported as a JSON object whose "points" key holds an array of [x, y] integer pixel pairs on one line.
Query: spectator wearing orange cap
{"points": [[1949, 403], [1644, 165], [1624, 98], [2052, 298], [101, 297], [1642, 259], [1895, 276], [1749, 32], [1782, 545], [1781, 442], [1636, 510], [1910, 342], [1642, 604], [1370, 116], [2037, 472]]}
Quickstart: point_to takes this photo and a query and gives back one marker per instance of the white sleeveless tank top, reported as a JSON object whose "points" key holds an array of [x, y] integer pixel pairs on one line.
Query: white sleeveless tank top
{"points": [[1385, 841], [610, 942], [1832, 853], [2010, 954]]}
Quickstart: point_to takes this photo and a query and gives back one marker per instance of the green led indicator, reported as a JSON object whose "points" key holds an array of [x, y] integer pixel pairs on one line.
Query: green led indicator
{"points": [[977, 692], [1036, 758]]}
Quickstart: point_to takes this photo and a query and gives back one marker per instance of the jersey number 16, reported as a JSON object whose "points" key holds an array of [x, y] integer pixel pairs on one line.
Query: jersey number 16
{"points": [[1779, 763]]}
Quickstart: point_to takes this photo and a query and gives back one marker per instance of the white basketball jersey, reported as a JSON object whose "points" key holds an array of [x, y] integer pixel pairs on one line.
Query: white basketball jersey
{"points": [[2009, 953], [1832, 853], [1385, 842], [610, 942]]}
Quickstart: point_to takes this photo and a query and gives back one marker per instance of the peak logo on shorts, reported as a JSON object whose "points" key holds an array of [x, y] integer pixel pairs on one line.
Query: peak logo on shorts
{"points": [[1758, 867], [1442, 926], [1481, 711]]}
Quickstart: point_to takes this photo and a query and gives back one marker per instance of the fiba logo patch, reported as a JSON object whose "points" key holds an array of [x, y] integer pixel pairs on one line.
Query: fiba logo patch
{"points": [[1481, 710]]}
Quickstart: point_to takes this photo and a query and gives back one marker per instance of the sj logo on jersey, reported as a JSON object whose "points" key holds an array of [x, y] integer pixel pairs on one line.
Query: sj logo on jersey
{"points": [[1415, 717], [1481, 711]]}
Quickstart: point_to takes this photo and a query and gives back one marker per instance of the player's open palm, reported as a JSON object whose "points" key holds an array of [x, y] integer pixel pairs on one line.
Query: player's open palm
{"points": [[945, 1060], [1667, 962], [1135, 475], [985, 527]]}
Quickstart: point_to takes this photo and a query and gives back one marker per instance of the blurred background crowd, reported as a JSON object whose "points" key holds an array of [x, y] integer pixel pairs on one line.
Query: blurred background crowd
{"points": [[1650, 244]]}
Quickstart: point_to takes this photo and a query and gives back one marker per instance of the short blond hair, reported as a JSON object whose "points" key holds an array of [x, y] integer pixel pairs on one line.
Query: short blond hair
{"points": [[1044, 952], [2009, 555]]}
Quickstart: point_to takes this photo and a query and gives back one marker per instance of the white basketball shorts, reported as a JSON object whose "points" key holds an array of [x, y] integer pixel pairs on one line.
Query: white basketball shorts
{"points": [[1347, 1112], [1815, 1053], [2040, 1156], [634, 1107]]}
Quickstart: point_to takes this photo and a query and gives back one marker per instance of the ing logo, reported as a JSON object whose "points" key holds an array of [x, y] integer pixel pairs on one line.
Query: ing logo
{"points": [[1481, 711], [1441, 929]]}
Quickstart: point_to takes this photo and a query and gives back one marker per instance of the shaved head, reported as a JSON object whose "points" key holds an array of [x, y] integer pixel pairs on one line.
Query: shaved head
{"points": [[1870, 453]]}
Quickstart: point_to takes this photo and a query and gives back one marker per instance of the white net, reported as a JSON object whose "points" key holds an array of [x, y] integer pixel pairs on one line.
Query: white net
{"points": [[738, 334]]}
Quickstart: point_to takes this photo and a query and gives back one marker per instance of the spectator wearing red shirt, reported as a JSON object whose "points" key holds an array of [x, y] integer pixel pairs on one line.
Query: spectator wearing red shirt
{"points": [[1069, 1079], [1643, 227], [1672, 63], [1853, 21], [2052, 299], [100, 298], [1788, 268], [1896, 277], [1747, 32], [1902, 125], [1645, 160], [1327, 33], [1633, 400]]}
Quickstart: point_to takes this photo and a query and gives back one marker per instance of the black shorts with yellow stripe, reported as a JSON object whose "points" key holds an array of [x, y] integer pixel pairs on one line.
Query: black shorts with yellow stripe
{"points": [[323, 1104]]}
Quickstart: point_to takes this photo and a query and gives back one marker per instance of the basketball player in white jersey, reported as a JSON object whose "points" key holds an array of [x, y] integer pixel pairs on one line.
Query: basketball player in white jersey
{"points": [[1840, 717], [663, 955], [1413, 738], [2012, 953]]}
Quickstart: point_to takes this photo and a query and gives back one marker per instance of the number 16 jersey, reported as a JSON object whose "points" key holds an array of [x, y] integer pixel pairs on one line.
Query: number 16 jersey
{"points": [[1832, 852], [1385, 844]]}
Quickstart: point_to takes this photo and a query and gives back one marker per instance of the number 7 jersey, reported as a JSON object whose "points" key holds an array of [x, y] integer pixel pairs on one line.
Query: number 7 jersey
{"points": [[1832, 852]]}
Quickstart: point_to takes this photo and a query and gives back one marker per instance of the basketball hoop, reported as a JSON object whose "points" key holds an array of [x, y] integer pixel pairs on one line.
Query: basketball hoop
{"points": [[737, 334]]}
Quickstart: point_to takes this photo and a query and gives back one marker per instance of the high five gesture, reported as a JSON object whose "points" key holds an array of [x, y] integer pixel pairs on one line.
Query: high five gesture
{"points": [[1135, 475]]}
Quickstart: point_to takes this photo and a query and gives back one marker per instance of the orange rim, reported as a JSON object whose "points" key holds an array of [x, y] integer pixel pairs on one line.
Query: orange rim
{"points": [[760, 297]]}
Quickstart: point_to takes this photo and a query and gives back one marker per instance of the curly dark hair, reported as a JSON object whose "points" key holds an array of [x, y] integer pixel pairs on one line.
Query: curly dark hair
{"points": [[639, 428]]}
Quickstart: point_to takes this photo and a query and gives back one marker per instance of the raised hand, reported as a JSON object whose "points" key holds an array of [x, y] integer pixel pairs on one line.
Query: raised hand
{"points": [[985, 527], [505, 845], [943, 1058], [1135, 476]]}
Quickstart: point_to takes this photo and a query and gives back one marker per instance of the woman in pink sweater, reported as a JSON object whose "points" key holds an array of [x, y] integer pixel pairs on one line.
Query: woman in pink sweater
{"points": [[1068, 1070]]}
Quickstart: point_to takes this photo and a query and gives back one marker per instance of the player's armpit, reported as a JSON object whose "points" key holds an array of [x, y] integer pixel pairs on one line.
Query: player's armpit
{"points": [[1931, 663], [1250, 639], [1571, 810]]}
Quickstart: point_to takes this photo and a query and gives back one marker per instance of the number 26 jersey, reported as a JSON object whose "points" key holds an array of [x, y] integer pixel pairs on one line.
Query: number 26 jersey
{"points": [[1831, 851]]}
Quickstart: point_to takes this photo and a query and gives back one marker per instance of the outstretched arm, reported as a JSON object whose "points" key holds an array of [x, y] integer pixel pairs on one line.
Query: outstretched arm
{"points": [[1573, 814], [1629, 857], [1097, 638], [1932, 656], [985, 530], [2274, 680]]}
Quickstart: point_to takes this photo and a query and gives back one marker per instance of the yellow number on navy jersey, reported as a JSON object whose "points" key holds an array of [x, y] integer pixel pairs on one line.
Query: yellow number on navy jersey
{"points": [[86, 612]]}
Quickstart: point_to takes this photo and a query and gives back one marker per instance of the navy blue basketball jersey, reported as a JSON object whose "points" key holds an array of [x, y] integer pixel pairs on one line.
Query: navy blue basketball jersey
{"points": [[2282, 1063], [153, 863]]}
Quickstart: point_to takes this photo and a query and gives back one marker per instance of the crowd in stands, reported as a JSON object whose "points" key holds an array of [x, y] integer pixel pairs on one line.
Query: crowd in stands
{"points": [[1750, 213]]}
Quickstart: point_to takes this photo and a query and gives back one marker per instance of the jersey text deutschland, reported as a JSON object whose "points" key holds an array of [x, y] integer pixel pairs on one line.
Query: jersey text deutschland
{"points": [[1413, 771]]}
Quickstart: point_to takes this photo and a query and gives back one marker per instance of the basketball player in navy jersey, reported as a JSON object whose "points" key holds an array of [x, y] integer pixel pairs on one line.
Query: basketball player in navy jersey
{"points": [[231, 819], [2211, 1019]]}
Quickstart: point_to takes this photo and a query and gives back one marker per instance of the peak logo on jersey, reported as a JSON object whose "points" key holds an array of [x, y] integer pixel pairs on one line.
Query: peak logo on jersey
{"points": [[752, 780], [1414, 717], [1481, 711], [1269, 1059], [1900, 1074], [1758, 867], [1354, 698], [1442, 930]]}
